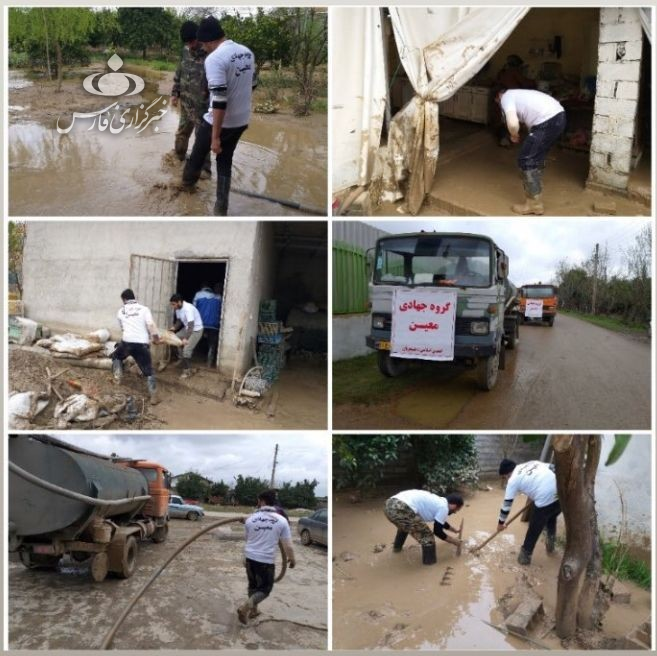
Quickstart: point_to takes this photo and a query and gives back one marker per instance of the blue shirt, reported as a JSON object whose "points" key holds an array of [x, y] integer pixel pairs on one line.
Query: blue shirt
{"points": [[208, 305]]}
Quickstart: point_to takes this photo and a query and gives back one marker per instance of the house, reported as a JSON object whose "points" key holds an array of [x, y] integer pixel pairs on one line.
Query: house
{"points": [[75, 272], [411, 68]]}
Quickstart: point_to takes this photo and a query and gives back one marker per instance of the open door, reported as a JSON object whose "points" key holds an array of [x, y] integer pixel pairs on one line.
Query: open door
{"points": [[153, 280]]}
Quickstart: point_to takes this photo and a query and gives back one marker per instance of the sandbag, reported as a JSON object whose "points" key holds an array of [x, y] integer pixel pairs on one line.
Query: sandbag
{"points": [[24, 407], [74, 345], [167, 337], [23, 331], [99, 336], [77, 407]]}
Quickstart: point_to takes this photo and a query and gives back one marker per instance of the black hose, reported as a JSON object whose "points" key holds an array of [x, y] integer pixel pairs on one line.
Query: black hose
{"points": [[285, 203]]}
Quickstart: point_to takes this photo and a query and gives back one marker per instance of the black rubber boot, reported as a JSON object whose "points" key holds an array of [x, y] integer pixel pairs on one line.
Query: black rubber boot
{"points": [[223, 190], [117, 370], [400, 538], [429, 554], [524, 558], [550, 540]]}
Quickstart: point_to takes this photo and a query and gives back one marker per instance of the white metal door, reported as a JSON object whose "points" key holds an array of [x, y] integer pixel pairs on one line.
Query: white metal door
{"points": [[153, 280]]}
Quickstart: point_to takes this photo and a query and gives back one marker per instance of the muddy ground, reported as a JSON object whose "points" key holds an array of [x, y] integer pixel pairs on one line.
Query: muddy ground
{"points": [[202, 402], [476, 177], [92, 173], [192, 605], [574, 375], [387, 600]]}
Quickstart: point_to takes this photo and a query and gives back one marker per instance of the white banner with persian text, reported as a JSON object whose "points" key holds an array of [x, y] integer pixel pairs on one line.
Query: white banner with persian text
{"points": [[423, 323], [534, 308]]}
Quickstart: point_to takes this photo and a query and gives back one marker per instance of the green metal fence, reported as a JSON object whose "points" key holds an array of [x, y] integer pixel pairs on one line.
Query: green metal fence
{"points": [[350, 294]]}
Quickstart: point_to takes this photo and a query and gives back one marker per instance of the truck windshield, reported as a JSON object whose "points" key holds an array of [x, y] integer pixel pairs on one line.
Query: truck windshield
{"points": [[539, 292], [433, 260]]}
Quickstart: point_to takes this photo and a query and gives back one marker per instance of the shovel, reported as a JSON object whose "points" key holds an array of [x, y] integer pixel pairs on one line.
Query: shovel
{"points": [[474, 550], [460, 544]]}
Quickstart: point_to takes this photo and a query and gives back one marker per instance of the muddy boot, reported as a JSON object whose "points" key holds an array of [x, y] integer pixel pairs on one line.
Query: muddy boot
{"points": [[533, 185], [550, 541], [152, 390], [223, 190], [244, 611], [400, 538], [180, 147], [524, 558], [428, 554], [206, 171], [187, 369], [254, 612], [117, 371]]}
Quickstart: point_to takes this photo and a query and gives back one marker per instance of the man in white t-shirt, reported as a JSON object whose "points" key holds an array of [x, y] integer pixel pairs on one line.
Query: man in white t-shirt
{"points": [[545, 118], [410, 511], [189, 327], [231, 74], [538, 482], [137, 329], [264, 529]]}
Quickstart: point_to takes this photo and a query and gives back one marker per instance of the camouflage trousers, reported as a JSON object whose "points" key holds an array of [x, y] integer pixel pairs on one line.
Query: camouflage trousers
{"points": [[186, 125], [407, 520]]}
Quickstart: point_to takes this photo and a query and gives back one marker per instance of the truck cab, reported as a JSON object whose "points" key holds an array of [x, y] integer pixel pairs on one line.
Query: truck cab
{"points": [[481, 305], [545, 304], [159, 484]]}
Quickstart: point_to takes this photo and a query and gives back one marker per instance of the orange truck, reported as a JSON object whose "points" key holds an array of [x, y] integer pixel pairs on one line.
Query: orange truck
{"points": [[538, 303], [64, 500]]}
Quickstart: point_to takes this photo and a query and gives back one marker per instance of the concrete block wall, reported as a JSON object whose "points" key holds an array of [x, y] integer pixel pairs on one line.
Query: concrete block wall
{"points": [[492, 448], [617, 95]]}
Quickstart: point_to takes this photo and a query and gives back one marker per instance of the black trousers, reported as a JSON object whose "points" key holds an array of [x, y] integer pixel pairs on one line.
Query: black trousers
{"points": [[545, 517], [202, 146], [538, 142], [261, 578], [141, 354]]}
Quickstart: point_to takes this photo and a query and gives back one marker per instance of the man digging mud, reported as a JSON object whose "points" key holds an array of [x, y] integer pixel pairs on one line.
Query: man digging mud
{"points": [[230, 73], [264, 529], [410, 511], [538, 482], [190, 90], [545, 119], [137, 328]]}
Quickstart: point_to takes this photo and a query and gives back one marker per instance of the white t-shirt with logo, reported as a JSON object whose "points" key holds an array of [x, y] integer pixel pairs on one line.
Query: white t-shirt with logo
{"points": [[430, 507], [230, 69], [264, 528], [188, 313], [529, 106], [134, 320], [534, 479]]}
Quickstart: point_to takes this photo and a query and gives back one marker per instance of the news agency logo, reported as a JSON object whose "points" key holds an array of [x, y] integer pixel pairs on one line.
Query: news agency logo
{"points": [[115, 118], [113, 84]]}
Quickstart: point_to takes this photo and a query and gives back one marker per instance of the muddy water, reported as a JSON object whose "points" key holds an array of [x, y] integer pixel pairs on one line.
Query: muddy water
{"points": [[93, 172], [389, 600]]}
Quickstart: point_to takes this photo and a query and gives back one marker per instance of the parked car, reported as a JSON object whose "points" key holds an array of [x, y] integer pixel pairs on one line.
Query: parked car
{"points": [[314, 528], [178, 508]]}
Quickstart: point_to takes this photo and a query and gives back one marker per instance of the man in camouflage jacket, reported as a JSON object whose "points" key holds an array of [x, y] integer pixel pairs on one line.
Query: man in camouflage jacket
{"points": [[190, 90]]}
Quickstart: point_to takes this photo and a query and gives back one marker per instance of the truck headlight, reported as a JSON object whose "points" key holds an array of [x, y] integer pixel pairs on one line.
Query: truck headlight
{"points": [[479, 328], [378, 322]]}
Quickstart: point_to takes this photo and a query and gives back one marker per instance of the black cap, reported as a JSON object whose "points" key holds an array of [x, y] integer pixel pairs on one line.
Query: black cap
{"points": [[506, 467], [188, 31], [209, 30]]}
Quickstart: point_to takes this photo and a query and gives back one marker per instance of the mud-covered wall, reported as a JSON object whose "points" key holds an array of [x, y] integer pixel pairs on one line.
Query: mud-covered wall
{"points": [[75, 271], [628, 478], [578, 28]]}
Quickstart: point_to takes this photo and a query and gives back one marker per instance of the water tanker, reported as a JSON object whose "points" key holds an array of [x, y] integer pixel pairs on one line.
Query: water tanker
{"points": [[66, 500]]}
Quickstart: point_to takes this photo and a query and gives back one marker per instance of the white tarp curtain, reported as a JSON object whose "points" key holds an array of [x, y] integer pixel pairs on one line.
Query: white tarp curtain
{"points": [[358, 93], [441, 50], [645, 14]]}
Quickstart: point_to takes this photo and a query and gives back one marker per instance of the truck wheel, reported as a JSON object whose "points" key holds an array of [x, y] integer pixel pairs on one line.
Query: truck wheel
{"points": [[38, 561], [193, 516], [129, 560], [305, 537], [487, 370], [160, 534], [512, 337], [99, 567], [550, 322], [390, 367]]}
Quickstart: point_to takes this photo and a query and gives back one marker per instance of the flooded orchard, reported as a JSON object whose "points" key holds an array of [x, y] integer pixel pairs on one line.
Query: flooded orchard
{"points": [[87, 171], [386, 600]]}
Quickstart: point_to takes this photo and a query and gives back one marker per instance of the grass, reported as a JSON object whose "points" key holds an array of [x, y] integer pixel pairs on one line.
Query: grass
{"points": [[610, 322], [247, 510], [358, 380], [623, 566]]}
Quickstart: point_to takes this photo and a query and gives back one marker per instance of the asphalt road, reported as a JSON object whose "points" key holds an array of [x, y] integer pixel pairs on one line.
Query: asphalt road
{"points": [[573, 376]]}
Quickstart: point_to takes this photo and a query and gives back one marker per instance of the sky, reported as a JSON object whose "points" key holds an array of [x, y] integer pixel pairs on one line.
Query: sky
{"points": [[535, 246], [222, 457]]}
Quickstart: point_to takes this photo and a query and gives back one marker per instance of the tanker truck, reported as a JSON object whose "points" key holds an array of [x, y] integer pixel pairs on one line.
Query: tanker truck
{"points": [[444, 297], [64, 500]]}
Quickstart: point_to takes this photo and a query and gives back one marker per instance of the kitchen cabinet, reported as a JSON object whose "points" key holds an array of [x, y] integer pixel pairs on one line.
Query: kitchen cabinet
{"points": [[469, 103]]}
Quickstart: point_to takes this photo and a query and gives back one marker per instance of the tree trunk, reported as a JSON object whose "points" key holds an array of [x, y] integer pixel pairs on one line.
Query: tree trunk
{"points": [[45, 26], [576, 459], [60, 65]]}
